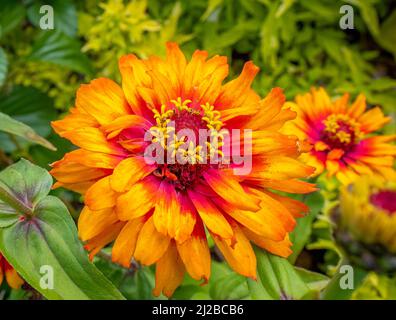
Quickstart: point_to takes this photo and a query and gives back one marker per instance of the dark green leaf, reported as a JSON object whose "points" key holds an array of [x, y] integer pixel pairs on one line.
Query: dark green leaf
{"points": [[3, 66], [11, 15], [30, 106], [56, 47], [65, 15]]}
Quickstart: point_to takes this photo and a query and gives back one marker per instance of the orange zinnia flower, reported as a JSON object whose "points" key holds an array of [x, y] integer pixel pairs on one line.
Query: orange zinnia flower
{"points": [[340, 135], [12, 277], [159, 212]]}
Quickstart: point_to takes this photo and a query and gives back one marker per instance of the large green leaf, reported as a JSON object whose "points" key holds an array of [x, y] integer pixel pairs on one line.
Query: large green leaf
{"points": [[3, 66], [276, 279], [226, 284], [56, 47], [37, 230], [20, 129]]}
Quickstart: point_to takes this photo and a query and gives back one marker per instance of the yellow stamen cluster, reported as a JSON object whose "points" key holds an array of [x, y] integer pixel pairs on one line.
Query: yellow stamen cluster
{"points": [[182, 105], [332, 125], [162, 132], [212, 117]]}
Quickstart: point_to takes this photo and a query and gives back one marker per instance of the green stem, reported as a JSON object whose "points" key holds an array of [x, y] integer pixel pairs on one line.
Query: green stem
{"points": [[15, 203], [333, 290]]}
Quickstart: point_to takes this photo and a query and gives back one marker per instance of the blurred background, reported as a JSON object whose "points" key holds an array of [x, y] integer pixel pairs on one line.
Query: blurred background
{"points": [[296, 43]]}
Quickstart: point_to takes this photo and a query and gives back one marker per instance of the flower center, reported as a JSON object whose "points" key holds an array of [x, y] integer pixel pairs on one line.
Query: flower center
{"points": [[190, 136], [386, 200], [341, 132]]}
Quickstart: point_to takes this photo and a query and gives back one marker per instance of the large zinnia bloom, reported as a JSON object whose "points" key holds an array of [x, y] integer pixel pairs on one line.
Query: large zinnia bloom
{"points": [[162, 212], [341, 135], [10, 274]]}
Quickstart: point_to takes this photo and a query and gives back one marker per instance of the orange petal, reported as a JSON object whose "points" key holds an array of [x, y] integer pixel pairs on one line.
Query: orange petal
{"points": [[335, 154], [73, 121], [296, 208], [151, 244], [212, 217], [128, 172], [372, 120], [96, 244], [187, 219], [240, 255], [93, 139], [270, 107], [103, 99], [169, 272], [227, 187], [125, 244], [358, 107], [212, 74], [91, 223], [263, 222], [134, 75], [167, 210], [125, 122], [100, 195], [274, 143], [271, 206], [93, 159], [281, 248], [138, 200], [195, 254], [235, 92], [291, 186], [75, 176], [279, 168], [13, 278]]}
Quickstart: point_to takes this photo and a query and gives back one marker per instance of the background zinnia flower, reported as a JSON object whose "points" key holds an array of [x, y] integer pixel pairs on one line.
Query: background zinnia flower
{"points": [[9, 273], [341, 135], [366, 223], [158, 213]]}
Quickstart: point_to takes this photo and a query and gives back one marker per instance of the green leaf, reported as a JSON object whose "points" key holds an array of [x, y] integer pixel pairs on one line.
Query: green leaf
{"points": [[11, 15], [58, 48], [315, 281], [334, 291], [369, 15], [44, 234], [30, 106], [65, 15], [140, 285], [3, 66], [20, 129], [276, 278], [388, 35], [226, 284], [300, 235]]}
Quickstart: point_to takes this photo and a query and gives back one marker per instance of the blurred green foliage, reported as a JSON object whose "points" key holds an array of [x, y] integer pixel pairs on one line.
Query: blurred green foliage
{"points": [[296, 43]]}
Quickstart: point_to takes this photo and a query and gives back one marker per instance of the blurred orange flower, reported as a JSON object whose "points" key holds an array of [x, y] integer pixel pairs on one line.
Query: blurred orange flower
{"points": [[161, 212], [12, 277], [342, 136]]}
